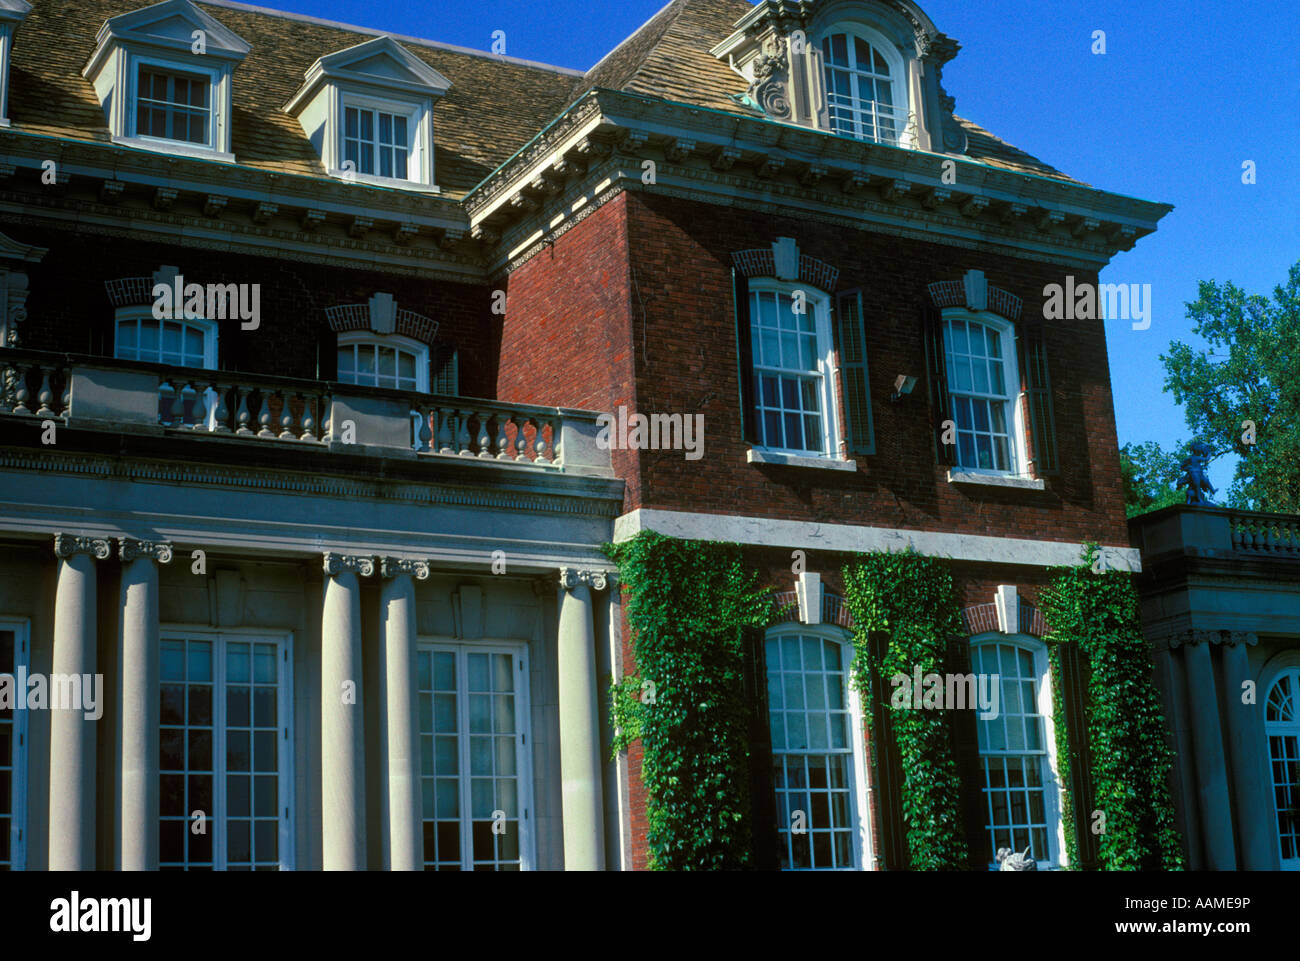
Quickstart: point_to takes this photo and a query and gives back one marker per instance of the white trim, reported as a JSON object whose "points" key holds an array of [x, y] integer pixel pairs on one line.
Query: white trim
{"points": [[18, 832], [853, 538], [1017, 428], [962, 475], [1052, 805], [349, 338], [1272, 671], [759, 455], [209, 328], [286, 744]]}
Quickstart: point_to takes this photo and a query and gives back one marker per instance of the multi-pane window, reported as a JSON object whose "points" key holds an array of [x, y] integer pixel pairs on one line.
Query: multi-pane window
{"points": [[980, 384], [812, 752], [178, 343], [860, 90], [13, 753], [224, 752], [473, 735], [1282, 727], [376, 141], [173, 106], [384, 363], [1019, 788], [789, 377]]}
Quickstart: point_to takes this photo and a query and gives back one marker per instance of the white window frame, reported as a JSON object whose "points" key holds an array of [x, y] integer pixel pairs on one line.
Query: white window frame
{"points": [[1014, 415], [820, 304], [18, 777], [354, 338], [284, 722], [523, 756], [1288, 664], [219, 76], [418, 116], [859, 813], [1051, 777], [209, 329], [899, 86]]}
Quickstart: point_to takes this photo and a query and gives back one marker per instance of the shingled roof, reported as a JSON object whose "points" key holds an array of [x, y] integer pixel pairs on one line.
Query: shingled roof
{"points": [[494, 107]]}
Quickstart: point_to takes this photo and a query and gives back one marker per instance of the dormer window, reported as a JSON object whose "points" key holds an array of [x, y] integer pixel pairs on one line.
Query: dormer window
{"points": [[12, 13], [164, 76], [368, 111], [864, 92]]}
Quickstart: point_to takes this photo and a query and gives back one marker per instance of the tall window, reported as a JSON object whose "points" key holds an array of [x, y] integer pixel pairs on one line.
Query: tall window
{"points": [[473, 735], [173, 106], [1019, 781], [1282, 727], [815, 752], [383, 360], [13, 752], [790, 333], [982, 382], [377, 141], [225, 750], [861, 91]]}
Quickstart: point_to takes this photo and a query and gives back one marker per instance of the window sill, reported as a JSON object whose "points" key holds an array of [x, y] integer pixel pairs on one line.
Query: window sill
{"points": [[994, 480], [176, 148], [373, 181], [758, 456]]}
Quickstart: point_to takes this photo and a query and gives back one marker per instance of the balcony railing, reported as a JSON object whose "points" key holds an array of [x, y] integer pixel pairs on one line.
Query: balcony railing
{"points": [[1217, 532], [101, 392], [1274, 535]]}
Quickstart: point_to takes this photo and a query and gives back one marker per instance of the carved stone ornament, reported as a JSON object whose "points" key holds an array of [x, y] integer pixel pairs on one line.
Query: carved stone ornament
{"points": [[1227, 638], [67, 545], [596, 580], [770, 89], [354, 563], [396, 566], [130, 549]]}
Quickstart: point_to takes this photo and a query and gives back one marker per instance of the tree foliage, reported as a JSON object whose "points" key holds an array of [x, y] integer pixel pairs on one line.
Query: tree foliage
{"points": [[1150, 476]]}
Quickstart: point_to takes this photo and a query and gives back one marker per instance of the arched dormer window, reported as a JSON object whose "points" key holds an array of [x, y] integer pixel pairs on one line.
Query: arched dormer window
{"points": [[866, 90]]}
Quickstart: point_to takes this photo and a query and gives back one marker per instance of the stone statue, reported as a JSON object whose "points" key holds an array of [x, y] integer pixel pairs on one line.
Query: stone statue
{"points": [[1009, 860], [1195, 477]]}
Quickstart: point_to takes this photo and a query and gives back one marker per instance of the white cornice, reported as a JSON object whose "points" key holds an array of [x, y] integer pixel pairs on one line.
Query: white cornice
{"points": [[14, 11], [424, 81]]}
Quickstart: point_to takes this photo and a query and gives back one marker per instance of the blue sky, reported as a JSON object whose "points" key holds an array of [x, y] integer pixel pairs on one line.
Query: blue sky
{"points": [[1186, 92]]}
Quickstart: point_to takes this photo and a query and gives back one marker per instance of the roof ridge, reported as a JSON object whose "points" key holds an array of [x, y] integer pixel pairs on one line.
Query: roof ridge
{"points": [[633, 35], [404, 38]]}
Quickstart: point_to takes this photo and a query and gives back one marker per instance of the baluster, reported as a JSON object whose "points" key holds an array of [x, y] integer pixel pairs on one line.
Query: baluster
{"points": [[45, 395], [222, 424], [503, 442], [264, 415], [166, 402], [242, 415], [308, 418], [65, 399], [20, 393], [8, 387], [557, 442], [445, 437], [286, 415], [521, 438], [539, 442], [462, 434], [484, 435], [200, 409], [425, 433]]}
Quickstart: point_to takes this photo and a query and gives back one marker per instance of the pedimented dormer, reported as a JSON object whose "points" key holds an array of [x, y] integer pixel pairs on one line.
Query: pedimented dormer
{"points": [[12, 13], [368, 111], [867, 69], [164, 76]]}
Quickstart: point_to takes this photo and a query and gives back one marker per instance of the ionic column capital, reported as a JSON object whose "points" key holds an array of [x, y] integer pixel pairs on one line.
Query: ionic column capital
{"points": [[68, 545], [361, 564], [571, 578], [396, 566], [130, 549]]}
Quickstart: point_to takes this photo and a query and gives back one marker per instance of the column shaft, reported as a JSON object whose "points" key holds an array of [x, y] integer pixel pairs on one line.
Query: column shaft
{"points": [[1211, 770], [138, 635], [1254, 821], [342, 772], [584, 843], [72, 737], [402, 813]]}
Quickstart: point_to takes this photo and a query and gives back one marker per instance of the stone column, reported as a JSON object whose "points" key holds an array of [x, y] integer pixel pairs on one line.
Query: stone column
{"points": [[402, 815], [343, 784], [72, 737], [580, 768], [1254, 820], [137, 633], [1207, 742]]}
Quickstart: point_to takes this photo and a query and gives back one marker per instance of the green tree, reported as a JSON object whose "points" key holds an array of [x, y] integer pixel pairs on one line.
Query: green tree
{"points": [[1150, 476], [1247, 377]]}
